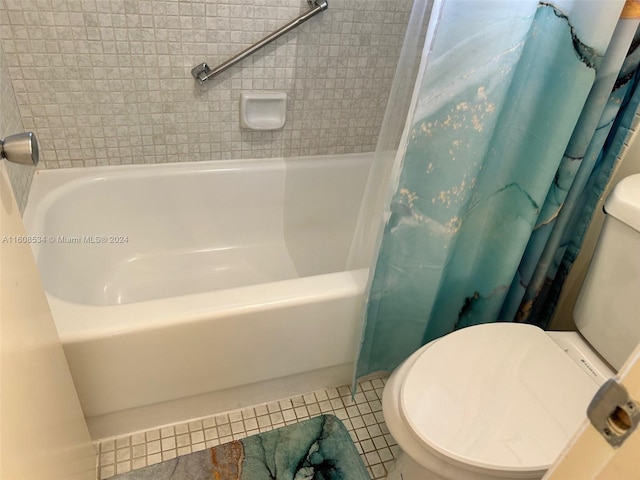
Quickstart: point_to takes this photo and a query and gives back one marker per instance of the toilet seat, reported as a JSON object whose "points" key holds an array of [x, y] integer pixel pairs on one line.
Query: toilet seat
{"points": [[516, 401]]}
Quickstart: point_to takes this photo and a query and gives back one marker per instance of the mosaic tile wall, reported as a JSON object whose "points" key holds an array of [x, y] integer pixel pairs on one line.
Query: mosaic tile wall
{"points": [[108, 81], [10, 123]]}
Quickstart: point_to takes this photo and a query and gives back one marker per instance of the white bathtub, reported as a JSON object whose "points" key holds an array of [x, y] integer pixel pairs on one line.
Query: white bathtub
{"points": [[209, 281]]}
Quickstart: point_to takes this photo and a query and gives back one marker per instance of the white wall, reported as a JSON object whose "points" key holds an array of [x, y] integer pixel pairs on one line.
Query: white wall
{"points": [[10, 123], [42, 428]]}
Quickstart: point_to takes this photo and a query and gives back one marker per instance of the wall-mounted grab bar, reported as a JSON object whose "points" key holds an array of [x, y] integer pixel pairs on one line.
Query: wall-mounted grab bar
{"points": [[202, 72]]}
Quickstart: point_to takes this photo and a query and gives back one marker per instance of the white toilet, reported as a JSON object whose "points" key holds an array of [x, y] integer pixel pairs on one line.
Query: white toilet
{"points": [[501, 400]]}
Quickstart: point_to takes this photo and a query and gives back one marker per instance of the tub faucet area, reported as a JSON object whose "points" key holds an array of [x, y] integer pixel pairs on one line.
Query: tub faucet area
{"points": [[21, 148]]}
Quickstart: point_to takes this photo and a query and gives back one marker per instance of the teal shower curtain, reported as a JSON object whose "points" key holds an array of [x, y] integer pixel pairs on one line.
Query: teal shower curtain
{"points": [[509, 141]]}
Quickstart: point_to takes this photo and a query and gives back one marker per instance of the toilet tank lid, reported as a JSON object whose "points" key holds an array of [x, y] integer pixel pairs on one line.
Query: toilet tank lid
{"points": [[623, 202]]}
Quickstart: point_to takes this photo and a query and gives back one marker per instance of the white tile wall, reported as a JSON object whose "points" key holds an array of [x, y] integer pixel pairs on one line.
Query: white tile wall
{"points": [[362, 416], [20, 176], [108, 81]]}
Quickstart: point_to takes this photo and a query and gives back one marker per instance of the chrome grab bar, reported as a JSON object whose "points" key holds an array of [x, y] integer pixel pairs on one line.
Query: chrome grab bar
{"points": [[202, 72]]}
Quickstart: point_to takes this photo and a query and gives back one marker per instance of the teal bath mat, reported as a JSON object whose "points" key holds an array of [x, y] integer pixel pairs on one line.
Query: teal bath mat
{"points": [[319, 448]]}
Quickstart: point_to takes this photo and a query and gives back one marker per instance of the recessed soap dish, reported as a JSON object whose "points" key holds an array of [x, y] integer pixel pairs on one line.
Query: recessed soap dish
{"points": [[263, 111]]}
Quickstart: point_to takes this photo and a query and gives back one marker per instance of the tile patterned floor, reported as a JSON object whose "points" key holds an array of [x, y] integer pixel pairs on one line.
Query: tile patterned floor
{"points": [[362, 416]]}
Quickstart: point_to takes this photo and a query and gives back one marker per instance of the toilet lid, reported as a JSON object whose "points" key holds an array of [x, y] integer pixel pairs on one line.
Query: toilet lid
{"points": [[500, 396]]}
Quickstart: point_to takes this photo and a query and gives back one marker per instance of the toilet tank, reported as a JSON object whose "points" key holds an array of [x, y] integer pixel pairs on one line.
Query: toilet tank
{"points": [[607, 312]]}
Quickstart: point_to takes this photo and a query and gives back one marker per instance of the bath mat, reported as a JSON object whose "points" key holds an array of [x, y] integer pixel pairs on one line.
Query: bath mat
{"points": [[319, 448]]}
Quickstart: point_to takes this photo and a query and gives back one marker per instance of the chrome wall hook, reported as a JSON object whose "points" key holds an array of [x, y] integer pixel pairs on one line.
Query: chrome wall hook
{"points": [[21, 148]]}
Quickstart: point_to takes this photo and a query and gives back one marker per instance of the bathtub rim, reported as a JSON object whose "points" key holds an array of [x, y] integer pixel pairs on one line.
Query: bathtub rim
{"points": [[77, 323], [50, 184]]}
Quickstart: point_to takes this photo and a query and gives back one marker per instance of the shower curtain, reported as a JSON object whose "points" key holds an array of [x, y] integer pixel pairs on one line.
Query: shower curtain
{"points": [[505, 148]]}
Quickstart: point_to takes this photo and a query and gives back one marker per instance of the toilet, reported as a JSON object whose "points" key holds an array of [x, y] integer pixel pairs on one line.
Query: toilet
{"points": [[501, 400]]}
